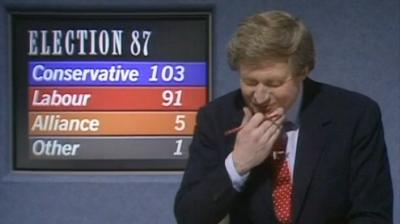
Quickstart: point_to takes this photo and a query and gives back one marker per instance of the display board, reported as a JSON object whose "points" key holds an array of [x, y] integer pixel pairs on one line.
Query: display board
{"points": [[107, 91]]}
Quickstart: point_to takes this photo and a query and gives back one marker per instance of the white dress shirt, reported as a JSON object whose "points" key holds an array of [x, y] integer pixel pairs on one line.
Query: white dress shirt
{"points": [[292, 116]]}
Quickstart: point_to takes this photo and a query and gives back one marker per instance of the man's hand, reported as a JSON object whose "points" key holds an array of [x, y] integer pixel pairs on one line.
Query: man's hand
{"points": [[255, 140]]}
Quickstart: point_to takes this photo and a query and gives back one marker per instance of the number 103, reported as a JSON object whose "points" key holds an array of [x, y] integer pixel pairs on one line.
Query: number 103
{"points": [[167, 73]]}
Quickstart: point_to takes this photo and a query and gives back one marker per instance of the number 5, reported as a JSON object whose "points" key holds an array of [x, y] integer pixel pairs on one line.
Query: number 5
{"points": [[180, 122]]}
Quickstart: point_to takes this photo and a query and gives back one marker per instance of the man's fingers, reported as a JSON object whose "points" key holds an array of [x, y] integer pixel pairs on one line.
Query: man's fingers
{"points": [[250, 120], [260, 121], [271, 134], [275, 114], [279, 120], [247, 115], [255, 121], [264, 126]]}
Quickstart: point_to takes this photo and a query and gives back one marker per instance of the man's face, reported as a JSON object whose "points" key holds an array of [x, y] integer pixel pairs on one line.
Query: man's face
{"points": [[269, 86]]}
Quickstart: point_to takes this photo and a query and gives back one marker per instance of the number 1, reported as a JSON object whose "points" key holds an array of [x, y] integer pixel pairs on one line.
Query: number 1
{"points": [[178, 151]]}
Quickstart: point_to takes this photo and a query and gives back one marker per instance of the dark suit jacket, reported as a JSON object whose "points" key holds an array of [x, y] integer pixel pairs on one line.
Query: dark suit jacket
{"points": [[341, 172]]}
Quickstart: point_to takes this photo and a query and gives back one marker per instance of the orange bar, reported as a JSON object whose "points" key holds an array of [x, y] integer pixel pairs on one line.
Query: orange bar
{"points": [[111, 123], [116, 98]]}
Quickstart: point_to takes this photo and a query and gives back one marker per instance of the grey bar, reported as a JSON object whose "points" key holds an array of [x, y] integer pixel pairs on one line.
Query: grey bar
{"points": [[105, 148]]}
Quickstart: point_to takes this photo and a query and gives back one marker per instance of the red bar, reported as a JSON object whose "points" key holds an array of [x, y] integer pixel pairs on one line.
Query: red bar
{"points": [[116, 98]]}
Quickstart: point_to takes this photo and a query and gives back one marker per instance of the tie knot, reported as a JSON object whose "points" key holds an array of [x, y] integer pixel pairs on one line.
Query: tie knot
{"points": [[289, 126], [279, 149], [281, 142]]}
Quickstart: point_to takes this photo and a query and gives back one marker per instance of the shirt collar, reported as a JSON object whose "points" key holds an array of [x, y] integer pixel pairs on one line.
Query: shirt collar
{"points": [[292, 115]]}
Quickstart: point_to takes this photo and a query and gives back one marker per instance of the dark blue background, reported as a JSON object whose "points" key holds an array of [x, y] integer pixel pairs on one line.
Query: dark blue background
{"points": [[358, 48]]}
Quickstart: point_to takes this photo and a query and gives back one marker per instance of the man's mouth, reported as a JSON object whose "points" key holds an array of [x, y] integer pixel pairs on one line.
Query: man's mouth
{"points": [[265, 109]]}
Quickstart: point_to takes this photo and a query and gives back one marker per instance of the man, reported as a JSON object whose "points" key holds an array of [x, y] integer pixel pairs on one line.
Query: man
{"points": [[285, 149]]}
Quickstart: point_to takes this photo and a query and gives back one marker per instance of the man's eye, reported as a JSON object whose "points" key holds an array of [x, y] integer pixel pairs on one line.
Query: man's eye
{"points": [[250, 82], [274, 84]]}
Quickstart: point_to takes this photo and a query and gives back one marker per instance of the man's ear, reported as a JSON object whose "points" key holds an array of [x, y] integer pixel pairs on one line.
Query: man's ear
{"points": [[304, 73]]}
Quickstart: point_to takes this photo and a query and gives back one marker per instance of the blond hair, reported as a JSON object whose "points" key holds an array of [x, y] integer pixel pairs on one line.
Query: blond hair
{"points": [[273, 35]]}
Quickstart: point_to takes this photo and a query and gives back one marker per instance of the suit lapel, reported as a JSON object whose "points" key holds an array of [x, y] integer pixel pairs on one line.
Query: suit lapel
{"points": [[314, 127]]}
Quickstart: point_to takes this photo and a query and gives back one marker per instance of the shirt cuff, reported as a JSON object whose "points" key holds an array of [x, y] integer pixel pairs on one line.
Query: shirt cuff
{"points": [[237, 179]]}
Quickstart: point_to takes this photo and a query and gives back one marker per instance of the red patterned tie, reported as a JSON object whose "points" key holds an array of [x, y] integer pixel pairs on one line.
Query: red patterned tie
{"points": [[282, 184]]}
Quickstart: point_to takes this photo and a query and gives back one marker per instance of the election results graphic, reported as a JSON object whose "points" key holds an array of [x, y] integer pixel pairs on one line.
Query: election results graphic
{"points": [[104, 91]]}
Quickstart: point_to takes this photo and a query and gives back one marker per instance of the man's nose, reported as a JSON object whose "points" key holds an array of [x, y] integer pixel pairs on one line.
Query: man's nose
{"points": [[261, 94]]}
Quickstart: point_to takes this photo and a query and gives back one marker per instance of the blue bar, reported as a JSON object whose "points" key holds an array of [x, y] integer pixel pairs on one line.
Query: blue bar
{"points": [[117, 73]]}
